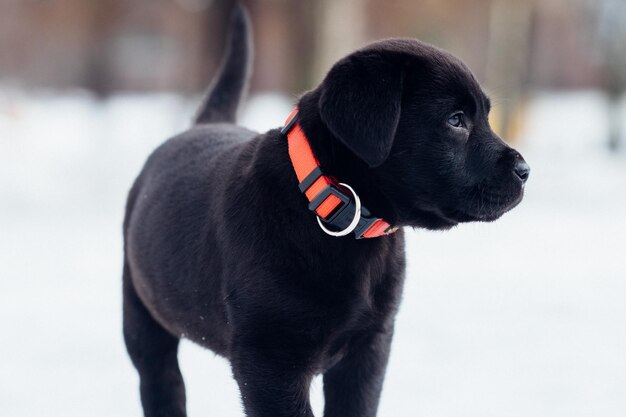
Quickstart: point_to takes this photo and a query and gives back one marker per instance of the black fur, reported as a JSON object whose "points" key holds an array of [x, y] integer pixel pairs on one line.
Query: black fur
{"points": [[221, 249]]}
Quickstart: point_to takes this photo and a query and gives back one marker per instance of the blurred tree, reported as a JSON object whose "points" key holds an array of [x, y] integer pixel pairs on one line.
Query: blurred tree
{"points": [[100, 17], [340, 28], [612, 27], [508, 62]]}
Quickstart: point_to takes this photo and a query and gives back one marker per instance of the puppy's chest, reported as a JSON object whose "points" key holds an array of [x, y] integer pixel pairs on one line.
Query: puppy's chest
{"points": [[361, 296], [358, 313], [346, 337]]}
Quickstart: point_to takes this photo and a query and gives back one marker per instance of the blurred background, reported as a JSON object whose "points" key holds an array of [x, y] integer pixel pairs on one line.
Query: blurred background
{"points": [[525, 316]]}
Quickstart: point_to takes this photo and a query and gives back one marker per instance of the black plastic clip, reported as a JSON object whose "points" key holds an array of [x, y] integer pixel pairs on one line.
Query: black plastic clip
{"points": [[289, 125]]}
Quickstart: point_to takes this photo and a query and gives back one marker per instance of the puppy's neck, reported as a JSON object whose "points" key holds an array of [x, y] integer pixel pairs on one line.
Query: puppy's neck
{"points": [[338, 161]]}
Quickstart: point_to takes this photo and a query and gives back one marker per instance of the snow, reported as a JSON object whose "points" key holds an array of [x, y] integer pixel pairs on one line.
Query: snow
{"points": [[524, 316]]}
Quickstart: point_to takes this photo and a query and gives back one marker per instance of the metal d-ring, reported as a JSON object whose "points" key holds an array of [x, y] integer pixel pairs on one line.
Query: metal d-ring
{"points": [[355, 220]]}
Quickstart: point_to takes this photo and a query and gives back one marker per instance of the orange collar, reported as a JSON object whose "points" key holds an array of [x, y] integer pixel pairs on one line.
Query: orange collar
{"points": [[328, 199]]}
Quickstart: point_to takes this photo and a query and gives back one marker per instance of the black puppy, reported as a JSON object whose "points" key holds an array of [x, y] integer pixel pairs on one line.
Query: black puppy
{"points": [[221, 248]]}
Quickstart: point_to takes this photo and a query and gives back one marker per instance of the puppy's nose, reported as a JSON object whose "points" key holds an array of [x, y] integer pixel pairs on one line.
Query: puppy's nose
{"points": [[522, 170]]}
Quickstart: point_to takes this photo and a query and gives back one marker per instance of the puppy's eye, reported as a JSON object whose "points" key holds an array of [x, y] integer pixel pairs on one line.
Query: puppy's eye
{"points": [[457, 120]]}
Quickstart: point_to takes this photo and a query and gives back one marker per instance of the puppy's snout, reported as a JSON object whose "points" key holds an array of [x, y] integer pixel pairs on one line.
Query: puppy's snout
{"points": [[521, 168]]}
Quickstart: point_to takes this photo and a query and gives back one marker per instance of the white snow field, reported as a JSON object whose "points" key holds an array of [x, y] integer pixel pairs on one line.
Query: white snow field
{"points": [[522, 317]]}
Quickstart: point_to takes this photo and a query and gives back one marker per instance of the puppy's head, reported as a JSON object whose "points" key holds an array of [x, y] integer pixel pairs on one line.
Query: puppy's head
{"points": [[417, 118]]}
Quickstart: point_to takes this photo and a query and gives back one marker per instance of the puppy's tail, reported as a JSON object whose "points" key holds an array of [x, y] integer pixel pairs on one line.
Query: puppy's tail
{"points": [[231, 83]]}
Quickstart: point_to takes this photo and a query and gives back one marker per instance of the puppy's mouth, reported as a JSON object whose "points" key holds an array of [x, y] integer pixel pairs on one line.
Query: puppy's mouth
{"points": [[481, 203], [486, 205]]}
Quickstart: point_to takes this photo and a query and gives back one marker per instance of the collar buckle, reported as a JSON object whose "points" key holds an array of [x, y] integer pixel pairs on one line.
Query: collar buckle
{"points": [[341, 215]]}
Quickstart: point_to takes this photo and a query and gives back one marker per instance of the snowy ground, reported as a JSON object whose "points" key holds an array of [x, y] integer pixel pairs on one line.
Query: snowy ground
{"points": [[523, 317]]}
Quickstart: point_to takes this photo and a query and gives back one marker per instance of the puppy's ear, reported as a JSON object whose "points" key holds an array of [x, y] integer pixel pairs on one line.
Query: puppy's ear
{"points": [[360, 104]]}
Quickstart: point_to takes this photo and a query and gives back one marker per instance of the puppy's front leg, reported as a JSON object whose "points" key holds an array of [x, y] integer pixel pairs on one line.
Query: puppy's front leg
{"points": [[352, 387], [273, 382]]}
